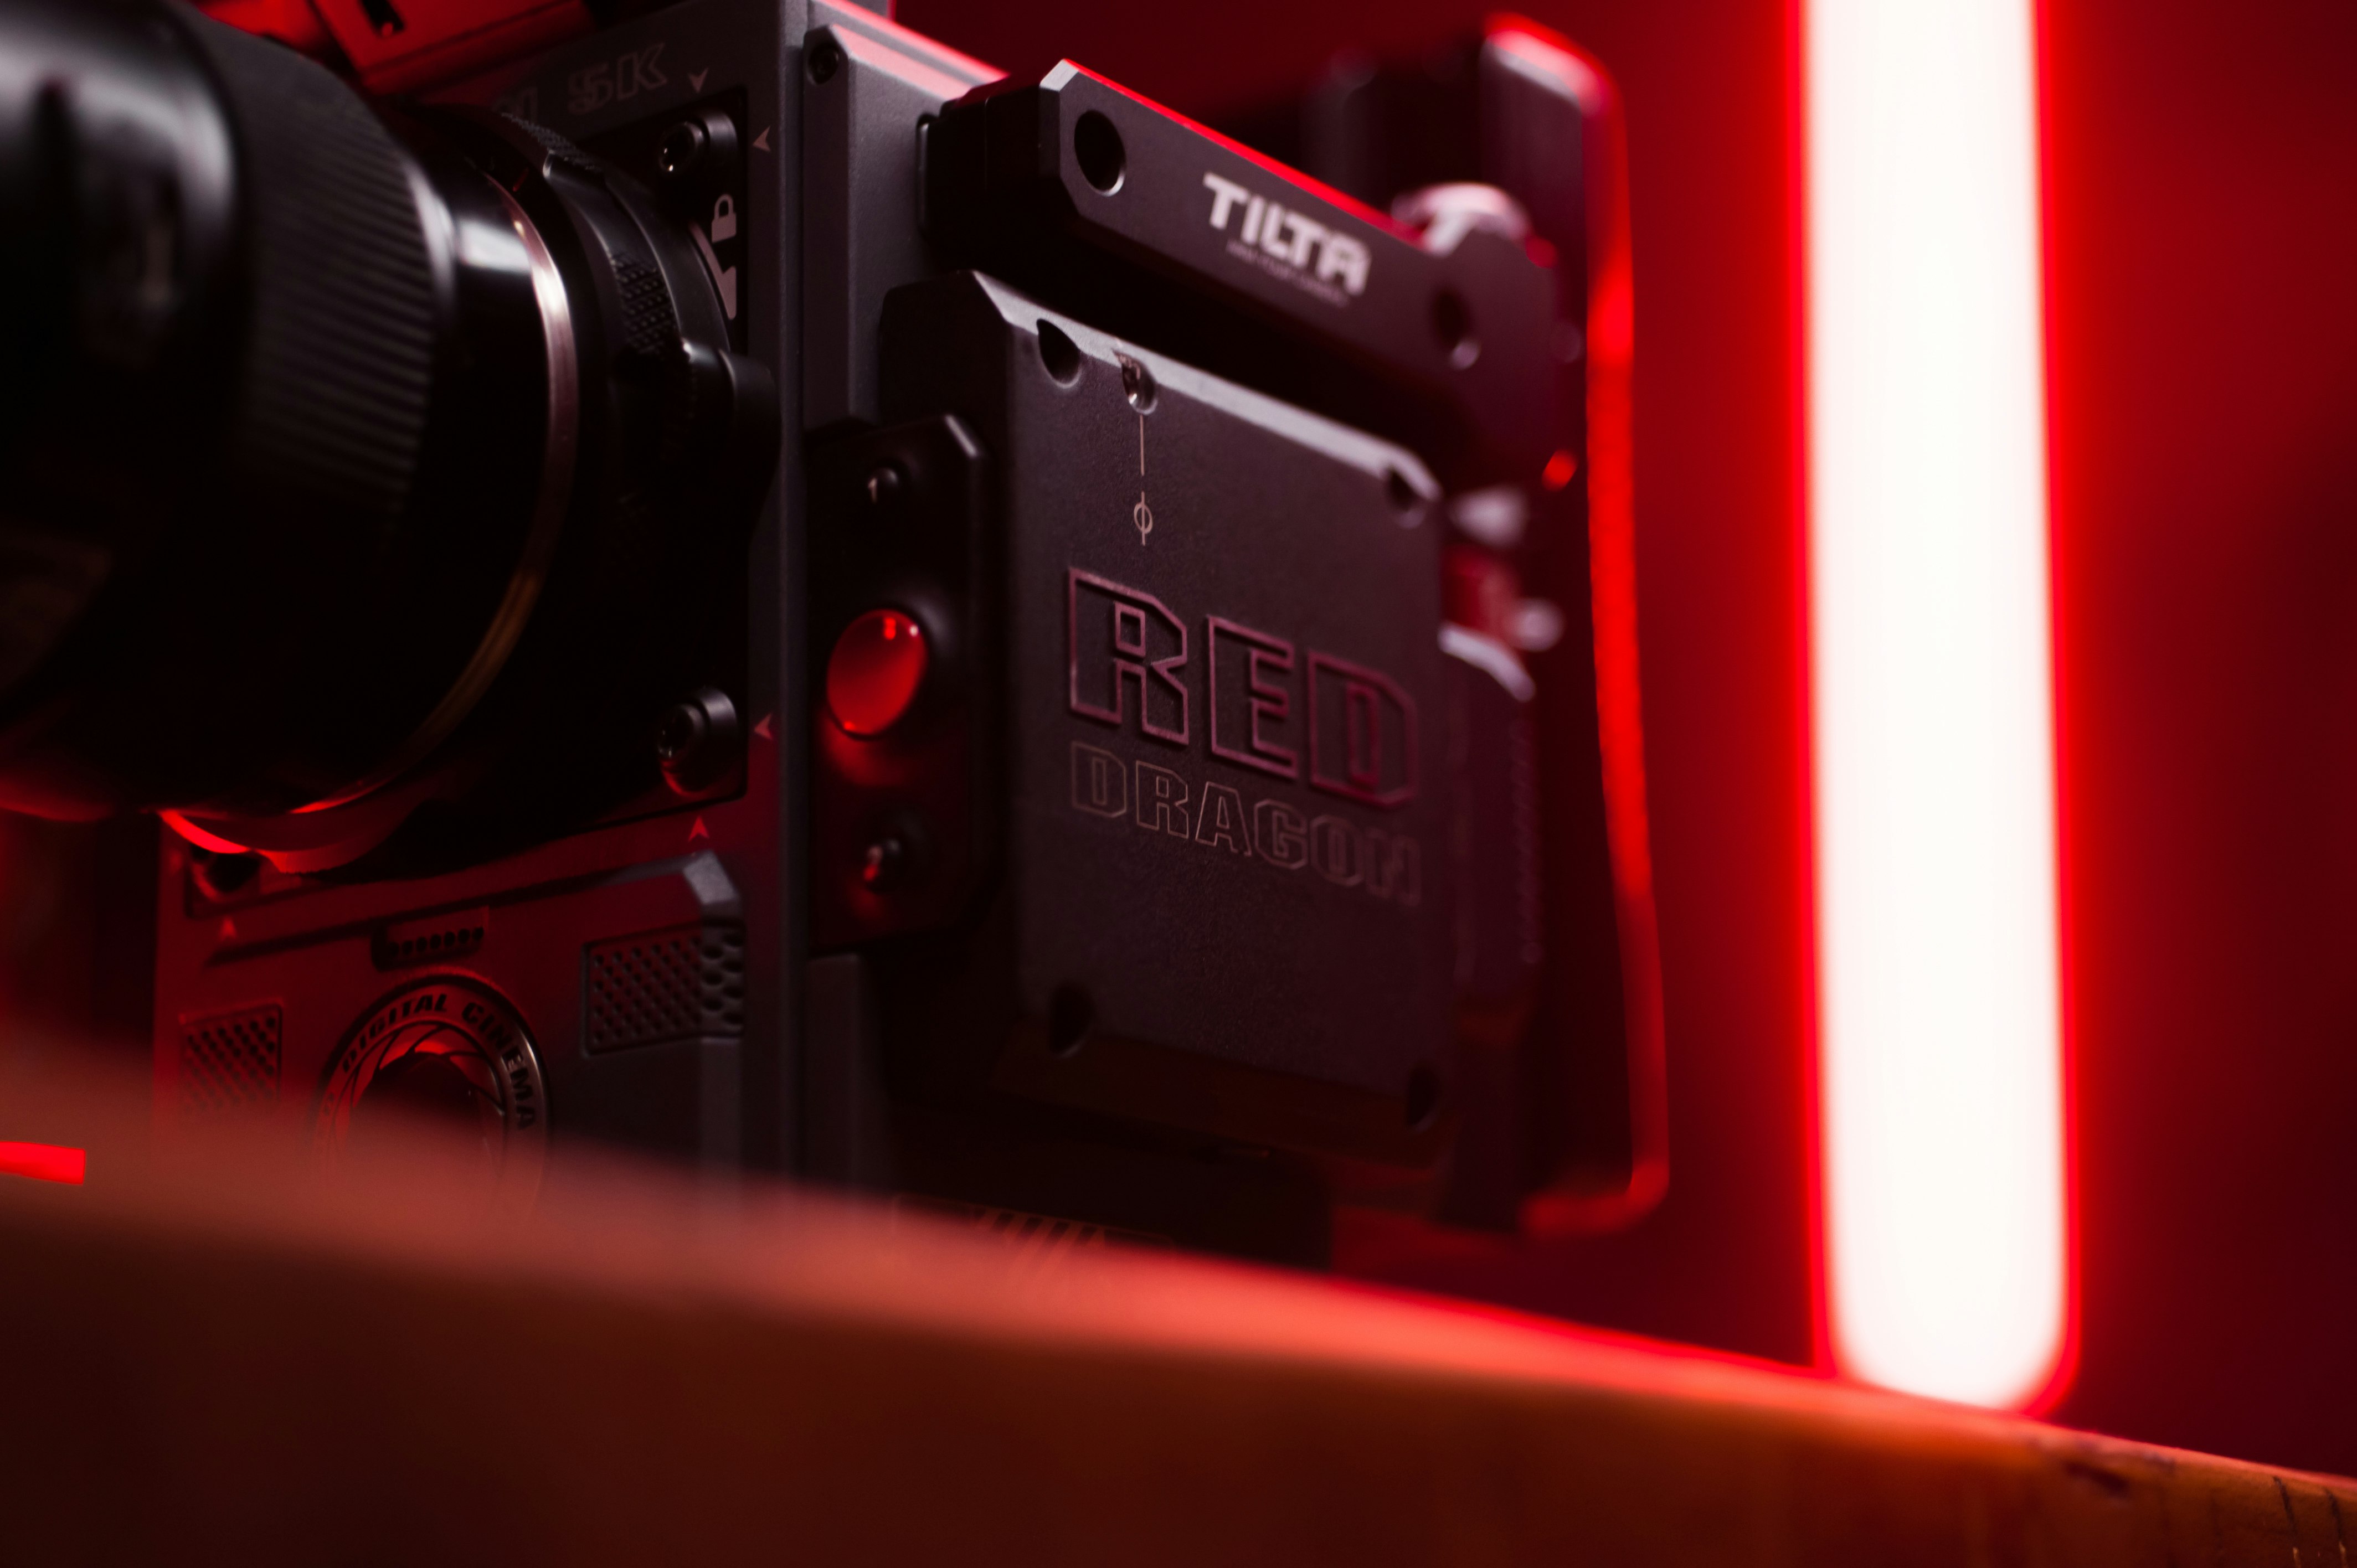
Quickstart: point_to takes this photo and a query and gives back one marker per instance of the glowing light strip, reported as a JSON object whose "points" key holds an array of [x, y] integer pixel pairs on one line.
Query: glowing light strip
{"points": [[1939, 1007], [42, 1162]]}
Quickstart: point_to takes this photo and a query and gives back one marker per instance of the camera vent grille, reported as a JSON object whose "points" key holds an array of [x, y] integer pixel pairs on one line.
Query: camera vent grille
{"points": [[438, 940], [229, 1061], [683, 983]]}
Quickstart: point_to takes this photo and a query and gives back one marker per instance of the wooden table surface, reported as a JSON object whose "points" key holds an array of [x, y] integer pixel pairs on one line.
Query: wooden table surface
{"points": [[222, 1362]]}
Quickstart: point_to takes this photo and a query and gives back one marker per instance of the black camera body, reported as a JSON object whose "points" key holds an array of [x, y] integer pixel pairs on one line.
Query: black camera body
{"points": [[1097, 672]]}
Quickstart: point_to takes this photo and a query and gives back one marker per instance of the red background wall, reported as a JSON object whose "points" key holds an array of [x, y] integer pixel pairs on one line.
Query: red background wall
{"points": [[2203, 193]]}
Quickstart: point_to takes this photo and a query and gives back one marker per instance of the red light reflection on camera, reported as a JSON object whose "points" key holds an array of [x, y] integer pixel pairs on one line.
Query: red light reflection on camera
{"points": [[43, 1162], [873, 677]]}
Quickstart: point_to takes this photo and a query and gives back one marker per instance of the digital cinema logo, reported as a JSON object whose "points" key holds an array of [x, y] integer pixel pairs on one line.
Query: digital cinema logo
{"points": [[1293, 714], [1288, 244]]}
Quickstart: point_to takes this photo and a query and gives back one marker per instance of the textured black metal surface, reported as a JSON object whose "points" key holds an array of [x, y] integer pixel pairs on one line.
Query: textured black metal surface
{"points": [[1236, 930]]}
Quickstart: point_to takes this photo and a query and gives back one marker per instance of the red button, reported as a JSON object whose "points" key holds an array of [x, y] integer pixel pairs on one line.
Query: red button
{"points": [[874, 673]]}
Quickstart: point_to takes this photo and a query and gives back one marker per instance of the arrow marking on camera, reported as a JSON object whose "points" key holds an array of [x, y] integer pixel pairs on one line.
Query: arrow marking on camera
{"points": [[698, 832], [696, 79], [762, 729], [228, 931], [1141, 514], [723, 278], [762, 141]]}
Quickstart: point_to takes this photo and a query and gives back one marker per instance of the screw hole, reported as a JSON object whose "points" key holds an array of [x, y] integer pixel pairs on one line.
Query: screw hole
{"points": [[1423, 1097], [680, 150], [223, 876], [1136, 384], [1400, 492], [1452, 325], [1070, 1015], [1060, 354], [882, 488], [1098, 148], [825, 59], [883, 865]]}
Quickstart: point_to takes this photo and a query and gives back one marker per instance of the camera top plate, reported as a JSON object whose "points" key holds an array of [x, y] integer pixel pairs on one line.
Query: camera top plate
{"points": [[1109, 205]]}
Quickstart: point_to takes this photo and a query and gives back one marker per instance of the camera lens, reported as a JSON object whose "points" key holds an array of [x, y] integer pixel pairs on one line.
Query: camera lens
{"points": [[356, 468]]}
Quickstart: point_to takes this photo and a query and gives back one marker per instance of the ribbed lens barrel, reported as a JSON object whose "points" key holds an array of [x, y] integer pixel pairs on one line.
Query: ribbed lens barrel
{"points": [[315, 446], [285, 394]]}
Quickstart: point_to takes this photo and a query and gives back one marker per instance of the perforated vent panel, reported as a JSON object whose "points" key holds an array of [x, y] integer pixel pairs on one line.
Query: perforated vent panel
{"points": [[229, 1061], [435, 940], [685, 983]]}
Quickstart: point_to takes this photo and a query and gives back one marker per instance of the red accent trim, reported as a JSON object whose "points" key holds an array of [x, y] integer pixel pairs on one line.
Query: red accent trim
{"points": [[1117, 715], [1619, 709], [199, 836], [44, 1162], [1261, 702], [292, 22], [875, 670], [444, 39], [1348, 786]]}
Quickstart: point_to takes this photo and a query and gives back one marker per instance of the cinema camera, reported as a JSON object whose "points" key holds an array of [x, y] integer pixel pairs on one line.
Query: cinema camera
{"points": [[727, 581]]}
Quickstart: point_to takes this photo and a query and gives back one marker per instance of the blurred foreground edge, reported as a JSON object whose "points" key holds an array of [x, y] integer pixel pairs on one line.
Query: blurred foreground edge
{"points": [[226, 1361]]}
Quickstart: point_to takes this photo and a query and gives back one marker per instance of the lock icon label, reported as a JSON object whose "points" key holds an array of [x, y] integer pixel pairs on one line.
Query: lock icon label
{"points": [[724, 219]]}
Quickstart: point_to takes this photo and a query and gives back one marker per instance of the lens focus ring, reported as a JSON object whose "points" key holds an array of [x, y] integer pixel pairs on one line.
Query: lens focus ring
{"points": [[340, 346]]}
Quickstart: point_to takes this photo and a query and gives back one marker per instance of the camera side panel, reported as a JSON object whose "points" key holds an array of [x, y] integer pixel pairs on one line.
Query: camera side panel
{"points": [[1226, 807]]}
